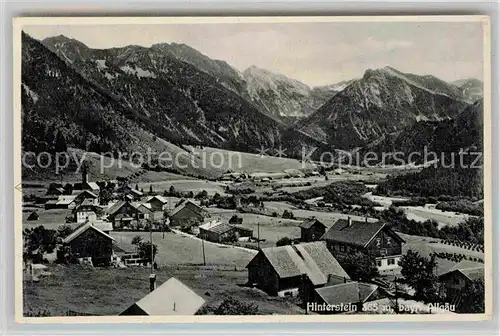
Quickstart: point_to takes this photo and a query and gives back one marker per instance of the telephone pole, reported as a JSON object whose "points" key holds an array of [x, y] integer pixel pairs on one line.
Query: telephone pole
{"points": [[151, 241], [258, 236], [203, 251]]}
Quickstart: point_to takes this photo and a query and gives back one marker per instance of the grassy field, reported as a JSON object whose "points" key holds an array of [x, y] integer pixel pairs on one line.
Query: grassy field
{"points": [[110, 291], [327, 217], [247, 162], [444, 218], [50, 219], [185, 185], [178, 249], [427, 245]]}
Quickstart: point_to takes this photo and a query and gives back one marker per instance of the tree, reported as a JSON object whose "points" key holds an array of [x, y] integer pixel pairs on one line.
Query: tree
{"points": [[150, 189], [63, 231], [172, 191], [359, 266], [144, 249], [235, 219], [202, 194], [418, 272], [472, 298], [231, 306], [284, 241], [288, 214], [136, 240], [37, 242], [105, 196]]}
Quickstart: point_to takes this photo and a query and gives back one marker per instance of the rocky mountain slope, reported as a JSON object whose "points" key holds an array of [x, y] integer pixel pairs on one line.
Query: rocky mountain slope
{"points": [[471, 88], [61, 110], [185, 104], [382, 102], [282, 97], [464, 132]]}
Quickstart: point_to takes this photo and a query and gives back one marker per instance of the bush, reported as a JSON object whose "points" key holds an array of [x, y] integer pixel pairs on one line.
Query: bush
{"points": [[231, 306], [284, 241]]}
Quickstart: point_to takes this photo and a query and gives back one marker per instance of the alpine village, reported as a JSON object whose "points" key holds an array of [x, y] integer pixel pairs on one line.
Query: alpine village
{"points": [[241, 223]]}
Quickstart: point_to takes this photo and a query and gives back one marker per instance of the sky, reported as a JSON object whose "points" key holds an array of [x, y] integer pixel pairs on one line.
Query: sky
{"points": [[315, 53]]}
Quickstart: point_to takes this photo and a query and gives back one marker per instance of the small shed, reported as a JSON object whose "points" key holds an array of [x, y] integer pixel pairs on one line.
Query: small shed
{"points": [[216, 231], [33, 216]]}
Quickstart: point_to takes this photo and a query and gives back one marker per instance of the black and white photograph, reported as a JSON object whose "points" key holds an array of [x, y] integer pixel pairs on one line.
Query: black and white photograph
{"points": [[273, 168]]}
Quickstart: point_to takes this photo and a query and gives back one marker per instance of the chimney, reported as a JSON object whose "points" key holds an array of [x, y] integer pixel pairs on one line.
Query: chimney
{"points": [[349, 221], [152, 282]]}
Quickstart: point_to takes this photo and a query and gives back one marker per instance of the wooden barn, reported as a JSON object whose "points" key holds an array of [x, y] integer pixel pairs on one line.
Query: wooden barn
{"points": [[126, 214], [456, 278], [311, 230], [187, 211], [278, 270], [88, 241], [217, 232]]}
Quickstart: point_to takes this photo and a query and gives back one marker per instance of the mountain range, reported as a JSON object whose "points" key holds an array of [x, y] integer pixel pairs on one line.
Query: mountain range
{"points": [[124, 98]]}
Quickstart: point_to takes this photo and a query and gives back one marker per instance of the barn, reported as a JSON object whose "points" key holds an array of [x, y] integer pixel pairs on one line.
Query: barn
{"points": [[311, 230], [187, 211], [217, 232], [278, 270], [88, 241]]}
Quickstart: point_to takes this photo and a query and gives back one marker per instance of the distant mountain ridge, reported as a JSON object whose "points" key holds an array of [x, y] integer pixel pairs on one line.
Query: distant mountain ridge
{"points": [[383, 101], [273, 94], [190, 98]]}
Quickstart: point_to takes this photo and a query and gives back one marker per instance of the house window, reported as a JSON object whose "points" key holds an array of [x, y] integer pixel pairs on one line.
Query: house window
{"points": [[391, 261], [378, 242], [389, 241], [379, 263], [342, 248], [456, 281]]}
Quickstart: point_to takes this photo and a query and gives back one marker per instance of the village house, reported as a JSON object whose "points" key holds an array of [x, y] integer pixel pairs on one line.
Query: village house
{"points": [[311, 230], [86, 211], [62, 202], [187, 211], [217, 232], [157, 205], [278, 270], [88, 241], [125, 214], [171, 298], [82, 195], [127, 191], [456, 278], [375, 239], [86, 185], [344, 297]]}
